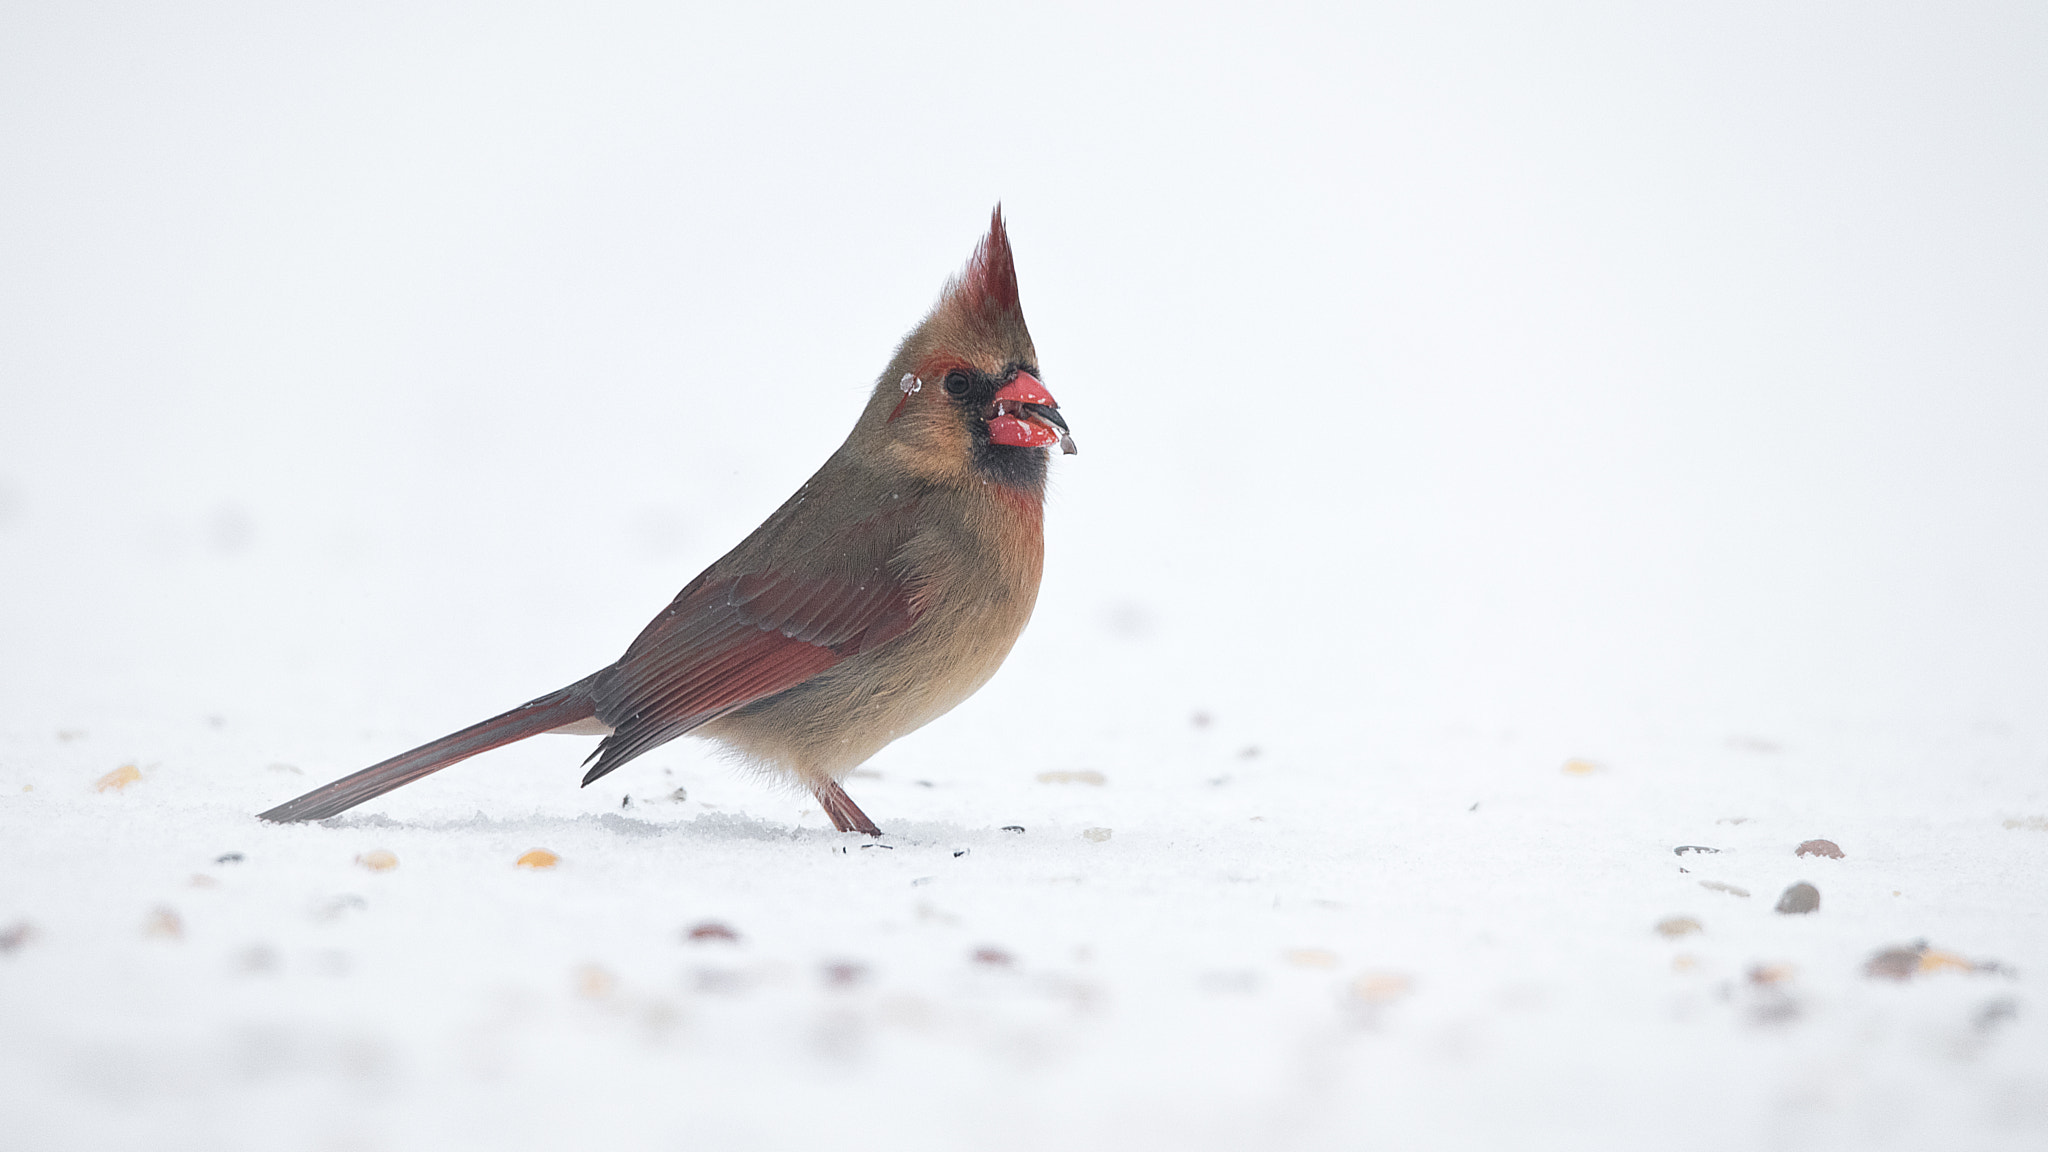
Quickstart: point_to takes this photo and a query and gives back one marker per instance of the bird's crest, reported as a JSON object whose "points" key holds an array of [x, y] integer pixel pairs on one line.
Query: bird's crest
{"points": [[985, 293]]}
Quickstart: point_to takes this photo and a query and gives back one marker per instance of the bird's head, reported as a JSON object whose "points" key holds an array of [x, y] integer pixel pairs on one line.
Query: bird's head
{"points": [[962, 400]]}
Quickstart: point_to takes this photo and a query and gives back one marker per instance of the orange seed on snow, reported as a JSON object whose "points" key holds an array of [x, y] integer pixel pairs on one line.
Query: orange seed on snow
{"points": [[166, 923], [378, 860], [1935, 960], [593, 982], [539, 858], [1380, 987], [118, 779]]}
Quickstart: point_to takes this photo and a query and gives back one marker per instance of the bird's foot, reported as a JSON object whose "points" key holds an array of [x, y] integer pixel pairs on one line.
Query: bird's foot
{"points": [[846, 815]]}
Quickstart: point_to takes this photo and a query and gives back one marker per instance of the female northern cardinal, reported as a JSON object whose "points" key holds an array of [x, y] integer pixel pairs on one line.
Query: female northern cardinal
{"points": [[883, 593]]}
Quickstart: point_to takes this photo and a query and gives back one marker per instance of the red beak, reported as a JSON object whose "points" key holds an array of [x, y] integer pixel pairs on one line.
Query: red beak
{"points": [[1028, 417]]}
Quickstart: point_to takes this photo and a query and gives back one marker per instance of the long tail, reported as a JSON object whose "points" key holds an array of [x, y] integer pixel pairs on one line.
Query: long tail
{"points": [[552, 711]]}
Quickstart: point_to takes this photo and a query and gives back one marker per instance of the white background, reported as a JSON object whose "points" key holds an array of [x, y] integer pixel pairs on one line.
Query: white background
{"points": [[1460, 390]]}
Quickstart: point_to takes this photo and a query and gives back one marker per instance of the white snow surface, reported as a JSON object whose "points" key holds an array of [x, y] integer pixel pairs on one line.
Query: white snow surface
{"points": [[1515, 446]]}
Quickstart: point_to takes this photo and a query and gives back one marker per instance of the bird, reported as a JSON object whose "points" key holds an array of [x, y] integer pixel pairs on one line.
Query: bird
{"points": [[885, 591]]}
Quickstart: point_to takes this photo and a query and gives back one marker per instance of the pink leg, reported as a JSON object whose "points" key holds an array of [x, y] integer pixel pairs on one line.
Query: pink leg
{"points": [[846, 815]]}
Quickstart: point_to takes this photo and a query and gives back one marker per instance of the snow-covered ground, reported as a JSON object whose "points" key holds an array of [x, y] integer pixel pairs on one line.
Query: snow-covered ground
{"points": [[1536, 472]]}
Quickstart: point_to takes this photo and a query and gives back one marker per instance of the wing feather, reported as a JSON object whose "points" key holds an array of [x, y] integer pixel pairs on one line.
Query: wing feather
{"points": [[735, 635]]}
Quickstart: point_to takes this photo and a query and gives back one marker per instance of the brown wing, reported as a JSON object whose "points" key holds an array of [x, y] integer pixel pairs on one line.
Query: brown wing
{"points": [[734, 637]]}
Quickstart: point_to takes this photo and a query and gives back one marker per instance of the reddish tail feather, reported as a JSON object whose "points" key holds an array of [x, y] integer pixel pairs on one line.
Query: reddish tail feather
{"points": [[549, 712]]}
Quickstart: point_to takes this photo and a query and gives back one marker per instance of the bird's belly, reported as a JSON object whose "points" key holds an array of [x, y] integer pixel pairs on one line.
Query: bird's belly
{"points": [[826, 726]]}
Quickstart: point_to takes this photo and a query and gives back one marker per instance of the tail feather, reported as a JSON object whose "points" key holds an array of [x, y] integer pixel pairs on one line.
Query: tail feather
{"points": [[549, 712]]}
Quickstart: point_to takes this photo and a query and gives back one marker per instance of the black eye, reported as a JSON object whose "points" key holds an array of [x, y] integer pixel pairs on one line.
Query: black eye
{"points": [[957, 383]]}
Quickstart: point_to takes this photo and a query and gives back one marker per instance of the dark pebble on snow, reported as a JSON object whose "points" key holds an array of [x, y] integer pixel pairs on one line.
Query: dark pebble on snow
{"points": [[1799, 899], [711, 930], [1827, 848], [845, 973], [1999, 1011], [1682, 849], [1896, 963]]}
